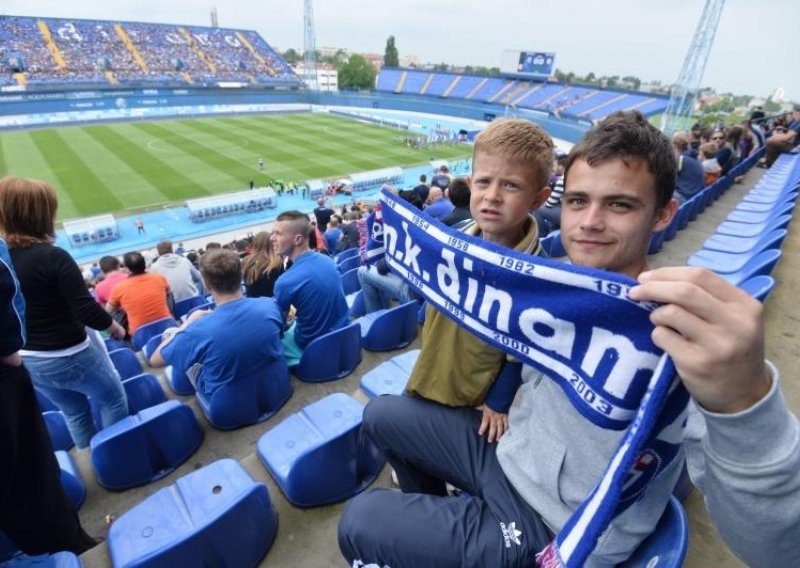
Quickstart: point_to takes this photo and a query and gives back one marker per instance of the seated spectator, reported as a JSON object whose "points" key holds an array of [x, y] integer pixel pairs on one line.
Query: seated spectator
{"points": [[459, 194], [112, 275], [143, 296], [690, 178], [238, 337], [548, 217], [333, 234], [728, 154], [438, 205], [184, 279], [313, 286], [708, 159], [784, 138], [261, 269]]}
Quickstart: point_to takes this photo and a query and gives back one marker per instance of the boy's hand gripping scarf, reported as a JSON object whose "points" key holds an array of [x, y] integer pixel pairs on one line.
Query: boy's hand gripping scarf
{"points": [[574, 324]]}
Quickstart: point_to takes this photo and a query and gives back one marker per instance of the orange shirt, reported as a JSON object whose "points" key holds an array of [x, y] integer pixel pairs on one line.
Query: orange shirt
{"points": [[143, 297]]}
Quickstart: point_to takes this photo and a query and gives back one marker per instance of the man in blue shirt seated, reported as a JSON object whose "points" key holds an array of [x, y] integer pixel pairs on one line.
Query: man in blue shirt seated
{"points": [[313, 286], [234, 340]]}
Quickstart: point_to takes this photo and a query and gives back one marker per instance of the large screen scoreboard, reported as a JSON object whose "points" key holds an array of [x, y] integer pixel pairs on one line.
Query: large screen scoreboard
{"points": [[528, 64]]}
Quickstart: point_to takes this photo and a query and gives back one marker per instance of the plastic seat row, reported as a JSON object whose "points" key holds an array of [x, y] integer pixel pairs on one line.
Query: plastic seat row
{"points": [[747, 244]]}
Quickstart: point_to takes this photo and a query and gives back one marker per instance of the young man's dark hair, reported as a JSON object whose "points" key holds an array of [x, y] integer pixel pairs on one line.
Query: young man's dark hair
{"points": [[164, 247], [134, 261], [459, 193], [109, 264], [300, 223], [628, 135], [222, 271]]}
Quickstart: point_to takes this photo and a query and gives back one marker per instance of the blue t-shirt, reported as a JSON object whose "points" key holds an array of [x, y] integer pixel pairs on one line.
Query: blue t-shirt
{"points": [[235, 340], [439, 208], [332, 238], [314, 287], [690, 178]]}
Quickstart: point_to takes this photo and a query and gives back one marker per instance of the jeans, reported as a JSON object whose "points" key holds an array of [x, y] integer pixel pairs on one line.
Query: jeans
{"points": [[379, 289], [70, 381]]}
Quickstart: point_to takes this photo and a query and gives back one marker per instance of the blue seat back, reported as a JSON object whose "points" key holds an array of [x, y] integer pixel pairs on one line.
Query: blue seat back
{"points": [[762, 263], [667, 546], [759, 287], [350, 281], [390, 377], [145, 447], [183, 307], [57, 428], [178, 381], [249, 399], [215, 516], [71, 479], [126, 362], [331, 356], [394, 328], [142, 335], [349, 263]]}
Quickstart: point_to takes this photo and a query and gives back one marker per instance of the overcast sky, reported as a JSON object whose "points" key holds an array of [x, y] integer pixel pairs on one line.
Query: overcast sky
{"points": [[757, 46]]}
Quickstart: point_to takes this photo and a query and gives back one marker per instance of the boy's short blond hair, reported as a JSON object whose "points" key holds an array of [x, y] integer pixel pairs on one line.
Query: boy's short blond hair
{"points": [[709, 150], [521, 142]]}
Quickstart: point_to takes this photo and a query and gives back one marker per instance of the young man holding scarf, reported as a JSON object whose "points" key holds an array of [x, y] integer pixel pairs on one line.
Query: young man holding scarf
{"points": [[618, 188]]}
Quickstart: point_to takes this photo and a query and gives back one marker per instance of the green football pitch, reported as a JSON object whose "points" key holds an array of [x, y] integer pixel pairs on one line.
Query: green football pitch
{"points": [[134, 166]]}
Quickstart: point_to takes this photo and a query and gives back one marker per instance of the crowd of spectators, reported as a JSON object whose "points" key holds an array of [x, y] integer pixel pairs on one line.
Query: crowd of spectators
{"points": [[92, 47]]}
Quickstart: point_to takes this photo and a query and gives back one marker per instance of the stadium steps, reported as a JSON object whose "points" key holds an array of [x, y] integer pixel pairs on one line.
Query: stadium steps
{"points": [[452, 86], [111, 79], [132, 48], [51, 45], [21, 79], [589, 112], [401, 83], [250, 48], [477, 88], [187, 77], [504, 89], [200, 53], [514, 93], [427, 83], [554, 96], [526, 94]]}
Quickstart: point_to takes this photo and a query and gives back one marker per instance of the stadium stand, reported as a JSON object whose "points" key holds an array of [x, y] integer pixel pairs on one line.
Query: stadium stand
{"points": [[97, 53], [554, 98]]}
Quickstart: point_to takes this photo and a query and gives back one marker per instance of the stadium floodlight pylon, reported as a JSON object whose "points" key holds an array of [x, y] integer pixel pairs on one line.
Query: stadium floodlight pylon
{"points": [[684, 91], [310, 46]]}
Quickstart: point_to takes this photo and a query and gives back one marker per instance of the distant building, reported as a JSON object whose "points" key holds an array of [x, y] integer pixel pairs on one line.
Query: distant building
{"points": [[327, 77], [376, 59], [409, 61]]}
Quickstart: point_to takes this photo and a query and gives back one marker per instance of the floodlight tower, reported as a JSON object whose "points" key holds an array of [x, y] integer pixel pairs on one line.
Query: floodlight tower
{"points": [[310, 46], [684, 91]]}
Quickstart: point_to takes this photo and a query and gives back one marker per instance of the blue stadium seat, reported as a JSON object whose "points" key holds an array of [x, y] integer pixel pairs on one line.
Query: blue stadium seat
{"points": [[759, 287], [55, 560], [349, 263], [215, 516], [186, 305], [57, 428], [762, 263], [151, 346], [250, 399], [656, 241], [356, 304], [145, 447], [126, 362], [205, 306], [142, 335], [143, 391], [764, 207], [390, 377], [331, 356], [752, 229], [112, 344], [318, 455], [393, 328], [742, 245], [71, 479], [350, 282], [178, 381], [760, 217], [667, 546], [345, 254]]}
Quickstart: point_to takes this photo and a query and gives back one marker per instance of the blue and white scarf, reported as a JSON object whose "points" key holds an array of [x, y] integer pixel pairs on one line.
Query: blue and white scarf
{"points": [[576, 325]]}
